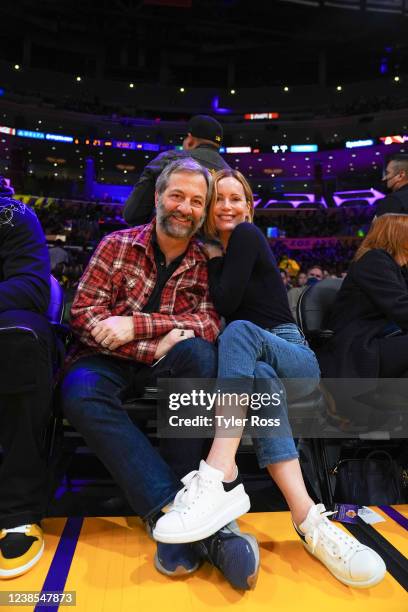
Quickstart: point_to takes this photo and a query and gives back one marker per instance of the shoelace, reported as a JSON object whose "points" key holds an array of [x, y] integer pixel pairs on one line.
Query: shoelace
{"points": [[342, 545], [20, 529], [194, 481]]}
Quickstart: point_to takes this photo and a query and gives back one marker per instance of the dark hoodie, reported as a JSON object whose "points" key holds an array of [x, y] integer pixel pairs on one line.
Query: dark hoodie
{"points": [[24, 259]]}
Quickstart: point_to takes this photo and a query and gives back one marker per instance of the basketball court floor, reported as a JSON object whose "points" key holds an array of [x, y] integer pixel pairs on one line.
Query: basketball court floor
{"points": [[108, 563]]}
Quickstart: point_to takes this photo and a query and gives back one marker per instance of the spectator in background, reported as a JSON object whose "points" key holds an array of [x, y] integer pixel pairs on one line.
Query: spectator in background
{"points": [[313, 275], [26, 359], [204, 137], [59, 257], [396, 179], [285, 279], [370, 314], [301, 279], [315, 272]]}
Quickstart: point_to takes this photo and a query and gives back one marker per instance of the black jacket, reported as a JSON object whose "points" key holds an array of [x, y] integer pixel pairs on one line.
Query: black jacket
{"points": [[24, 259], [373, 300], [396, 202], [139, 207]]}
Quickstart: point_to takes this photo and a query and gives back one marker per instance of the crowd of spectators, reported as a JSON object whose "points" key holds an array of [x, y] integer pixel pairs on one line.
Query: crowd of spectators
{"points": [[92, 104], [345, 221], [369, 104], [81, 225]]}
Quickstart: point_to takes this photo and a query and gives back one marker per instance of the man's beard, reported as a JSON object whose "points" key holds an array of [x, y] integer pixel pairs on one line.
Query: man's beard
{"points": [[175, 230]]}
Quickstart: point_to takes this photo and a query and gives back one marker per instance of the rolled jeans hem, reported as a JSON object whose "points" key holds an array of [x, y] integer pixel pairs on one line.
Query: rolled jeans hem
{"points": [[263, 463], [159, 507]]}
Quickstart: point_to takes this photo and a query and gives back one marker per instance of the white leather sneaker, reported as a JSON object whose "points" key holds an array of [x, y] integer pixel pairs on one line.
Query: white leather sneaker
{"points": [[348, 560], [205, 505]]}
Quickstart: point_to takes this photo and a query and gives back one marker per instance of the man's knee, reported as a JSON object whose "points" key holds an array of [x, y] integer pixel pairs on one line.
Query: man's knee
{"points": [[78, 388], [194, 357]]}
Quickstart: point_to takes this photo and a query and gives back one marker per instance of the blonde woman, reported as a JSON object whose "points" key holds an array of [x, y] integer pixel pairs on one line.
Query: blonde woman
{"points": [[261, 340]]}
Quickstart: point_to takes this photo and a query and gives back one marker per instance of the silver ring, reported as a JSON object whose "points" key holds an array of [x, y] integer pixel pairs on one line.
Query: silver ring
{"points": [[105, 343]]}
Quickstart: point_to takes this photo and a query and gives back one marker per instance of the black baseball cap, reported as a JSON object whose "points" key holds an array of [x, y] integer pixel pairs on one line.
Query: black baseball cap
{"points": [[206, 127]]}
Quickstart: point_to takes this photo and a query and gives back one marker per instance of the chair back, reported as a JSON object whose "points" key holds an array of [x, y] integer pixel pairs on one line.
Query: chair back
{"points": [[56, 306], [315, 305]]}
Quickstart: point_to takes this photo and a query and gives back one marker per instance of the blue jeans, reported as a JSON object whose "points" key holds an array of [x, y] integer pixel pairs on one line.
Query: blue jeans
{"points": [[247, 351], [92, 393]]}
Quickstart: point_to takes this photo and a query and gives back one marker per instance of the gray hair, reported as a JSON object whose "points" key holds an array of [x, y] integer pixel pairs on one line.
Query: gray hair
{"points": [[184, 164]]}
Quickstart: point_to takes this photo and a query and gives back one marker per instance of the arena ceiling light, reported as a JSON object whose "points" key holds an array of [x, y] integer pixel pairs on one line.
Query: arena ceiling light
{"points": [[396, 79], [78, 79], [339, 88], [131, 85], [286, 88], [16, 66]]}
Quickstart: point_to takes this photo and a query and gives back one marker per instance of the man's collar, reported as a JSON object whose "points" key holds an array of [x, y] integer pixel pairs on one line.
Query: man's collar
{"points": [[145, 237]]}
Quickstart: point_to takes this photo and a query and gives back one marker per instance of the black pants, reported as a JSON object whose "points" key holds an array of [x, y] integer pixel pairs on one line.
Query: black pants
{"points": [[394, 356], [26, 373]]}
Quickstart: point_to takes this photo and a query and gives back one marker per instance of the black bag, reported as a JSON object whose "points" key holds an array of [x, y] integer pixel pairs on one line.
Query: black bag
{"points": [[375, 480]]}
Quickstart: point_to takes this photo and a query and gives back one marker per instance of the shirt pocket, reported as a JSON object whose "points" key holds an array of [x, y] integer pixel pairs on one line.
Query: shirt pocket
{"points": [[122, 289]]}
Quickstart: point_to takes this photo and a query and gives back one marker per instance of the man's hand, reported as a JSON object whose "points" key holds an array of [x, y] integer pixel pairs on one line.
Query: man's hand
{"points": [[113, 332], [170, 339]]}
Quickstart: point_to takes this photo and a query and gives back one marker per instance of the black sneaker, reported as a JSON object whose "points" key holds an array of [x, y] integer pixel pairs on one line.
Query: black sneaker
{"points": [[235, 554], [20, 549]]}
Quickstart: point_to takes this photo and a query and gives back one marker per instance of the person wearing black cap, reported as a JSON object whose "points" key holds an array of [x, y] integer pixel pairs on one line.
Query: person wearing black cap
{"points": [[396, 179], [26, 357], [204, 137]]}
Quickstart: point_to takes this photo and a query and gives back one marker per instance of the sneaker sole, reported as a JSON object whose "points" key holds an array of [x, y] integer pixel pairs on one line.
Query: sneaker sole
{"points": [[179, 571], [358, 585], [18, 571], [240, 507], [253, 544]]}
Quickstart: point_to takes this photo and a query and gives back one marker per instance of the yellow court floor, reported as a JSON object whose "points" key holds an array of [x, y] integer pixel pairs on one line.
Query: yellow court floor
{"points": [[112, 570]]}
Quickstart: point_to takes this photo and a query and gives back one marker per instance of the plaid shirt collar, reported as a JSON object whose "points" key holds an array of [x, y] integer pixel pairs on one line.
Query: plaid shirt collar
{"points": [[193, 254]]}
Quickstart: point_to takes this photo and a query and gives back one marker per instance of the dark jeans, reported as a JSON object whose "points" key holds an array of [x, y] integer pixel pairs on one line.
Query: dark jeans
{"points": [[26, 359], [92, 393]]}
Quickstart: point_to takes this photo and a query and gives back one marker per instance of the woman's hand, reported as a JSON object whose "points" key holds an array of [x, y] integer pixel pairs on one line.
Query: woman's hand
{"points": [[171, 339], [212, 250]]}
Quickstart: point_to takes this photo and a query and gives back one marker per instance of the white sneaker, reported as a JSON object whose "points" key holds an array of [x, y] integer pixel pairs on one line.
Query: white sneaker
{"points": [[348, 560], [203, 507]]}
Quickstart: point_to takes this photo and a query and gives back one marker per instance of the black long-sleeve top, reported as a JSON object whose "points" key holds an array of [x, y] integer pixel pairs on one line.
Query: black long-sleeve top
{"points": [[373, 299], [24, 259], [246, 283]]}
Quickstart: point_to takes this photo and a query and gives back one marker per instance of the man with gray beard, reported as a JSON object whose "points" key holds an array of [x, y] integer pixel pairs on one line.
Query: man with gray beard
{"points": [[143, 310]]}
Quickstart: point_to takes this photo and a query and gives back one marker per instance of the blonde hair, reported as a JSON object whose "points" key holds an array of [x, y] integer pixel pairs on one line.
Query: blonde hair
{"points": [[388, 232], [210, 229]]}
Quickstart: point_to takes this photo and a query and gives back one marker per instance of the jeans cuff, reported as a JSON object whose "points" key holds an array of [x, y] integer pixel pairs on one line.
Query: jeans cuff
{"points": [[158, 507], [264, 462]]}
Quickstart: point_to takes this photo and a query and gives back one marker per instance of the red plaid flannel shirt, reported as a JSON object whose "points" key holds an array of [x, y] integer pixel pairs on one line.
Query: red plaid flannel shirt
{"points": [[118, 282]]}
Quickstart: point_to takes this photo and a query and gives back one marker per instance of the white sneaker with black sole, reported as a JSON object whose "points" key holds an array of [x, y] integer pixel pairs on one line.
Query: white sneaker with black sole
{"points": [[349, 561], [202, 507]]}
